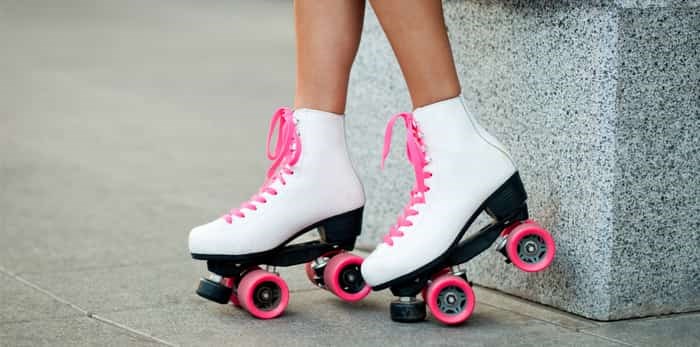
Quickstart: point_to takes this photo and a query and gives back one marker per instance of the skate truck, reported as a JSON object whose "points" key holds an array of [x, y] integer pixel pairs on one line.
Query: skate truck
{"points": [[443, 284], [251, 281]]}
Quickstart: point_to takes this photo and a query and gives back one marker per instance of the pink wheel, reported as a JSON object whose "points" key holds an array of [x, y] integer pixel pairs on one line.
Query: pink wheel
{"points": [[450, 299], [231, 283], [265, 295], [530, 248], [343, 278]]}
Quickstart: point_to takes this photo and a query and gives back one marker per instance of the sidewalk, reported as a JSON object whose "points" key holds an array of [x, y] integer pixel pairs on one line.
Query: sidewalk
{"points": [[125, 123]]}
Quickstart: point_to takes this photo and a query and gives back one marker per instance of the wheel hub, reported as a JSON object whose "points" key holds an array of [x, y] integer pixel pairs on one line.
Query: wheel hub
{"points": [[452, 300], [351, 280], [267, 296], [531, 249]]}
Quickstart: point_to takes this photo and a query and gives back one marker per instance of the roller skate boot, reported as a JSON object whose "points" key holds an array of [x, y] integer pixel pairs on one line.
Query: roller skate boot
{"points": [[310, 184], [461, 171]]}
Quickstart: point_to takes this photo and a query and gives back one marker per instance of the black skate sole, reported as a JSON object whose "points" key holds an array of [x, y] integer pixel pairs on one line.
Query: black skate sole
{"points": [[336, 233], [506, 205]]}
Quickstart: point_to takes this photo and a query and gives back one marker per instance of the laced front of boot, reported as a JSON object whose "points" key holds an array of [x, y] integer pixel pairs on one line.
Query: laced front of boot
{"points": [[415, 151], [284, 157]]}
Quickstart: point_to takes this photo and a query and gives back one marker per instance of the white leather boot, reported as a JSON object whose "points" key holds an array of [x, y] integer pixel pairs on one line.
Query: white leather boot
{"points": [[458, 166], [310, 182]]}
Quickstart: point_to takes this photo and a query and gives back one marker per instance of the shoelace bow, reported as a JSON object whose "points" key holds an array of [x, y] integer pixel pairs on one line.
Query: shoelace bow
{"points": [[286, 154], [415, 151]]}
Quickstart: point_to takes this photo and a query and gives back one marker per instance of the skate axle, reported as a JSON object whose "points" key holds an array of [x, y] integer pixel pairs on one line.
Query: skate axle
{"points": [[215, 278], [457, 270]]}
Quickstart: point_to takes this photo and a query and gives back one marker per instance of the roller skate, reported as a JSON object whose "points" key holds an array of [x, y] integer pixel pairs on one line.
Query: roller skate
{"points": [[461, 171], [310, 185]]}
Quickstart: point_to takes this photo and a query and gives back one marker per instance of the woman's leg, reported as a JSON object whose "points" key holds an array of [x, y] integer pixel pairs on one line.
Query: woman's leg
{"points": [[328, 35], [310, 181], [417, 33], [460, 172]]}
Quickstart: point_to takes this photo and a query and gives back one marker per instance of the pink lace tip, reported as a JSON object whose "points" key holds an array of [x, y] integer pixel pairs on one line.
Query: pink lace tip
{"points": [[228, 219]]}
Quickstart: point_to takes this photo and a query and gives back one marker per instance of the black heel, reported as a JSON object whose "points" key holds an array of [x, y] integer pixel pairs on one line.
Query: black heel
{"points": [[342, 229], [508, 202]]}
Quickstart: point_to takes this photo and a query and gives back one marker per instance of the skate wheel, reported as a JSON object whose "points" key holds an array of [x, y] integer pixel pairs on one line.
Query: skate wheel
{"points": [[530, 248], [450, 299], [343, 277], [231, 283], [265, 295], [407, 312], [213, 291]]}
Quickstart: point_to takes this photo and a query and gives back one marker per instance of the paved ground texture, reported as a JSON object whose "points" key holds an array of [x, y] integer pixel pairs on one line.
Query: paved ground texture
{"points": [[124, 123]]}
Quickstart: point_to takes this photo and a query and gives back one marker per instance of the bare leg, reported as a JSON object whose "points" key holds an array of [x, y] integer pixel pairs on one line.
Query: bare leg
{"points": [[417, 33], [328, 35]]}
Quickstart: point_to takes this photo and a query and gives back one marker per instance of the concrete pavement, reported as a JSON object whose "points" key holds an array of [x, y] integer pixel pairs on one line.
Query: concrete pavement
{"points": [[123, 124]]}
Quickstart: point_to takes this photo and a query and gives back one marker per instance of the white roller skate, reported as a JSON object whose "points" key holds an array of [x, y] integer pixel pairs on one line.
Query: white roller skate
{"points": [[461, 171], [310, 184]]}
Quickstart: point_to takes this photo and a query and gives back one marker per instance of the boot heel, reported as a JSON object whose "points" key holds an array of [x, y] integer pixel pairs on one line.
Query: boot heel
{"points": [[342, 229], [507, 203]]}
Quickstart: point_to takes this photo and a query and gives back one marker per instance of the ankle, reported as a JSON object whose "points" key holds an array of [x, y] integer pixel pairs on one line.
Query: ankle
{"points": [[334, 106]]}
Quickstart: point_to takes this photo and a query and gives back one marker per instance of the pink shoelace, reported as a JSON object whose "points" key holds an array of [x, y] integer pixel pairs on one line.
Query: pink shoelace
{"points": [[286, 154], [415, 151]]}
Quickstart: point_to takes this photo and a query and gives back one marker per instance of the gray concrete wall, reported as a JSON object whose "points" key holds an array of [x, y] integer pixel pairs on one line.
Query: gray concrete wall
{"points": [[598, 102]]}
